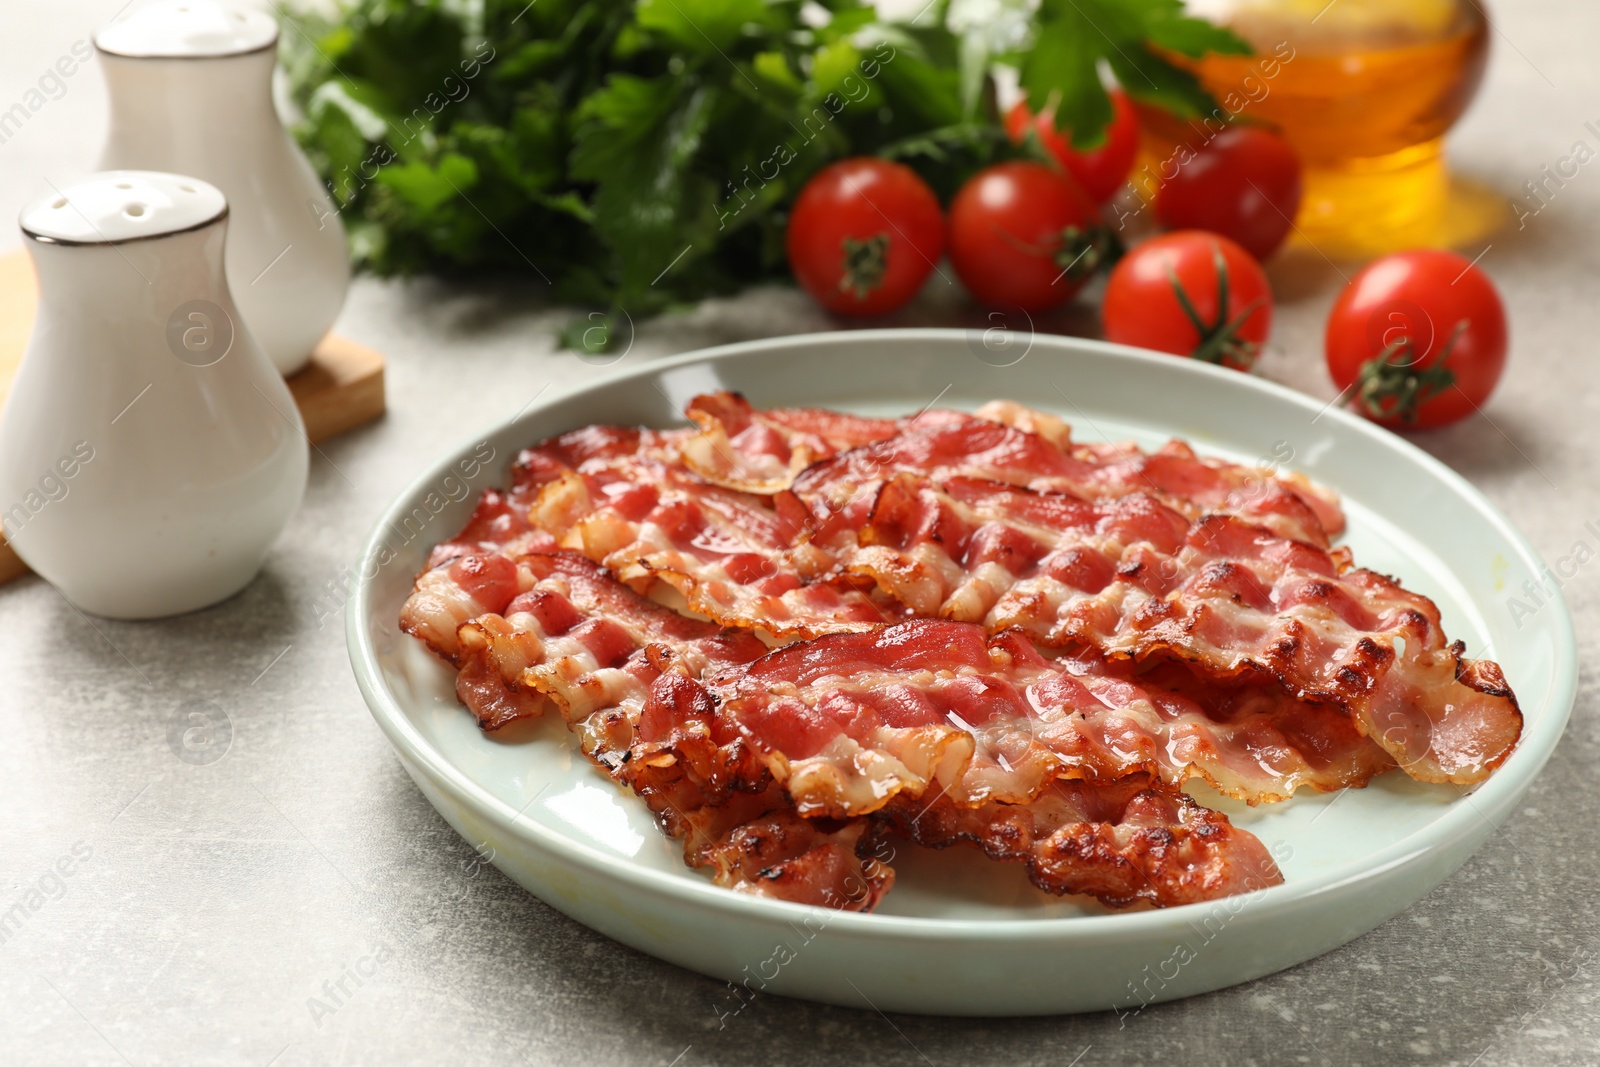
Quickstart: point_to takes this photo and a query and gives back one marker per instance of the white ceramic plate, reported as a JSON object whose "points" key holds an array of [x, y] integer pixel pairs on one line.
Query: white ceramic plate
{"points": [[959, 934]]}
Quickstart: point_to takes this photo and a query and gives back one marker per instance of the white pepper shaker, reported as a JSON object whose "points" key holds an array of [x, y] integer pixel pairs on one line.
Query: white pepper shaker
{"points": [[190, 85], [150, 453]]}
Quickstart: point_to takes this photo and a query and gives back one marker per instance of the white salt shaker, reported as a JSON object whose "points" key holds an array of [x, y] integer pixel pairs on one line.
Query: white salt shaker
{"points": [[150, 453], [190, 84]]}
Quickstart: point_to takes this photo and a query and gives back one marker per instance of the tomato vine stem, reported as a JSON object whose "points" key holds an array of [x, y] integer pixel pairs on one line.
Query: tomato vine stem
{"points": [[1389, 389], [1220, 342]]}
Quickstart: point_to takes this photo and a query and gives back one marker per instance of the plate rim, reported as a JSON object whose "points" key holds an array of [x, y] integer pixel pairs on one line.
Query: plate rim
{"points": [[1454, 824]]}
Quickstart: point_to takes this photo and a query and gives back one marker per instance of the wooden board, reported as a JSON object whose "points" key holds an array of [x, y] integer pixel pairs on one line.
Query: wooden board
{"points": [[340, 389], [11, 565]]}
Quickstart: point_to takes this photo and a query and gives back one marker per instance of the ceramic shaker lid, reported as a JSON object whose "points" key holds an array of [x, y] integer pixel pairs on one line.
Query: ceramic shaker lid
{"points": [[123, 205], [188, 29]]}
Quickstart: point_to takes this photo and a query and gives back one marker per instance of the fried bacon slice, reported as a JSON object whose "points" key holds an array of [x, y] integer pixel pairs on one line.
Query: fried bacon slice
{"points": [[757, 844], [1171, 476], [454, 591], [958, 549], [1132, 579], [760, 451], [605, 450], [622, 497], [592, 647], [1123, 842], [474, 572], [645, 517], [904, 724], [850, 722], [742, 447], [499, 524], [831, 498]]}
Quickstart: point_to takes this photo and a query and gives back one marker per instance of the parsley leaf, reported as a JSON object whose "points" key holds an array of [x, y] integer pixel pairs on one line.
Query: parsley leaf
{"points": [[1074, 36]]}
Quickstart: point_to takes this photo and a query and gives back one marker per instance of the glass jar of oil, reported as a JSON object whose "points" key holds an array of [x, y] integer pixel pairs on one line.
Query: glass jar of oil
{"points": [[1365, 90]]}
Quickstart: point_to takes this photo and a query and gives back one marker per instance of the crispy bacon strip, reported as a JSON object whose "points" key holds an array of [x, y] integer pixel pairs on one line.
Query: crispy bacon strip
{"points": [[594, 648], [621, 496], [760, 451], [914, 724], [761, 846], [474, 572], [729, 554], [498, 524], [850, 722], [1124, 842], [1131, 579], [497, 699], [831, 498], [957, 549], [454, 591], [1171, 478], [592, 449]]}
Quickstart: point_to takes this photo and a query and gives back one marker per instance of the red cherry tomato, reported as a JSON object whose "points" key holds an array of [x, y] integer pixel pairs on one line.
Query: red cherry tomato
{"points": [[1191, 294], [1419, 338], [1101, 171], [1244, 184], [1025, 236], [864, 235]]}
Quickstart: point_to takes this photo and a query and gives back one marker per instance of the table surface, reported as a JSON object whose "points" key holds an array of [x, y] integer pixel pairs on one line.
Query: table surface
{"points": [[208, 905]]}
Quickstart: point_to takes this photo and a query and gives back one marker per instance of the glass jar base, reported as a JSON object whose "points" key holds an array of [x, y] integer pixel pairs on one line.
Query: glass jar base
{"points": [[1368, 207]]}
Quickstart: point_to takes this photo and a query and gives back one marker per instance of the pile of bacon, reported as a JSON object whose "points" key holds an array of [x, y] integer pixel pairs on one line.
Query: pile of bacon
{"points": [[796, 634]]}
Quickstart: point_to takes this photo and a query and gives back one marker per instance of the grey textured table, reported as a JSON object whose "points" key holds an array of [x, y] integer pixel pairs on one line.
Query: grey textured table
{"points": [[207, 905]]}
